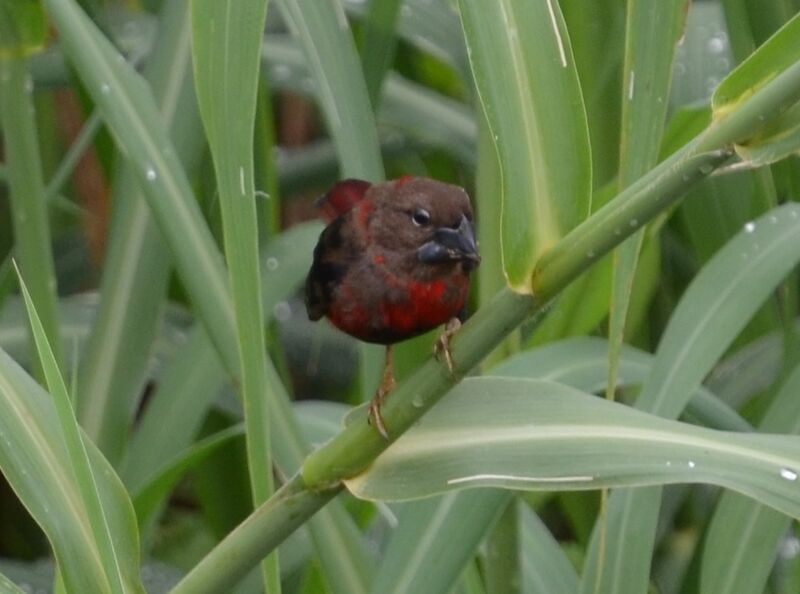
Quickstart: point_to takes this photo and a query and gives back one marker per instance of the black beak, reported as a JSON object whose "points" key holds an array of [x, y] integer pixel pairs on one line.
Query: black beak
{"points": [[450, 245]]}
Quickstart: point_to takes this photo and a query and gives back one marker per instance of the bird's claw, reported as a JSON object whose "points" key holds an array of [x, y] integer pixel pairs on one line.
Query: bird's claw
{"points": [[442, 347], [387, 385], [375, 417]]}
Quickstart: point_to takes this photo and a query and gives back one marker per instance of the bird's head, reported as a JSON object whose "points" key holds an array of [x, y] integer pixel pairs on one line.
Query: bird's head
{"points": [[428, 221]]}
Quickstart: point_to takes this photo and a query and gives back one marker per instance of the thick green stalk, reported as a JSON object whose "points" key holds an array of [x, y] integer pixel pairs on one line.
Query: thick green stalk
{"points": [[356, 446], [254, 538]]}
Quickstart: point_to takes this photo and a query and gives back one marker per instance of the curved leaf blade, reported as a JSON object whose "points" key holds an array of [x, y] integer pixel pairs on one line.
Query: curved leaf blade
{"points": [[538, 435], [529, 90]]}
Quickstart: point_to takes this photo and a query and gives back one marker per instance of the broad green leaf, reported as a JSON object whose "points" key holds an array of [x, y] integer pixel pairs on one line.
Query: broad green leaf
{"points": [[714, 309], [23, 28], [528, 87], [539, 435], [33, 453], [434, 541], [117, 570], [321, 28], [777, 54], [545, 567], [582, 363], [718, 303], [742, 539]]}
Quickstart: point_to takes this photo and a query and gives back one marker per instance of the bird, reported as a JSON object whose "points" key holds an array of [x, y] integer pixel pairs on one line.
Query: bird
{"points": [[393, 262]]}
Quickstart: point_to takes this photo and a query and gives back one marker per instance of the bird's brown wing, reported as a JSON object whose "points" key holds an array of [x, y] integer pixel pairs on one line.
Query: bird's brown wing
{"points": [[336, 251]]}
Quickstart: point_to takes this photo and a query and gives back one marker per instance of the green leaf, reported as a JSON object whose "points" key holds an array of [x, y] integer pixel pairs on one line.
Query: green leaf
{"points": [[226, 39], [121, 573], [780, 139], [127, 106], [528, 87], [321, 28], [23, 28], [582, 363], [652, 32], [137, 264], [713, 310], [26, 186], [147, 499], [226, 42], [743, 536], [776, 55], [379, 44], [434, 541], [539, 435], [9, 587], [545, 567]]}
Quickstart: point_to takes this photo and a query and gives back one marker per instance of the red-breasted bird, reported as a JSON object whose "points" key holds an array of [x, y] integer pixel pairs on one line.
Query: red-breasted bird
{"points": [[393, 263]]}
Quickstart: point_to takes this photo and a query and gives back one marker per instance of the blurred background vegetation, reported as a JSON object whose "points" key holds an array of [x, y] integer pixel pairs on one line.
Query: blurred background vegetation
{"points": [[150, 388]]}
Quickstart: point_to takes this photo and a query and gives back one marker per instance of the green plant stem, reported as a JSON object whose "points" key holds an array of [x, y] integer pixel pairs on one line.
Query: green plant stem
{"points": [[259, 534], [357, 445]]}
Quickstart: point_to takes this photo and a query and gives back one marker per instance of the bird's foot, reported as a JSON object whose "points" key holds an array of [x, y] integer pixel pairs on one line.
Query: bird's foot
{"points": [[375, 417], [442, 347], [387, 385]]}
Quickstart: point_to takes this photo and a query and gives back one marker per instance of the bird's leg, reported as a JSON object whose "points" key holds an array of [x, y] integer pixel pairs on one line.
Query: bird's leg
{"points": [[387, 385], [442, 346]]}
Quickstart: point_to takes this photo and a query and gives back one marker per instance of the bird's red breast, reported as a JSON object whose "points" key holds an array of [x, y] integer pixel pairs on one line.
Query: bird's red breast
{"points": [[396, 261]]}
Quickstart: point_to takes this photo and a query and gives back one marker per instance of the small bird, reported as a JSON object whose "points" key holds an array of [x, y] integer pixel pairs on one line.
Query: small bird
{"points": [[393, 263]]}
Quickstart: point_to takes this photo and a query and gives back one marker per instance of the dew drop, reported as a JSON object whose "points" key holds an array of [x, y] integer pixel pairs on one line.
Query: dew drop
{"points": [[773, 219], [150, 174], [617, 231], [590, 254], [105, 89], [417, 401], [706, 168], [691, 464], [280, 72], [749, 227], [789, 475], [282, 311], [634, 222], [789, 547], [716, 45], [272, 264]]}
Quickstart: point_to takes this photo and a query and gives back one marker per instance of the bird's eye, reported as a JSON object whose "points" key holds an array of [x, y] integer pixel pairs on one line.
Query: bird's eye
{"points": [[420, 217]]}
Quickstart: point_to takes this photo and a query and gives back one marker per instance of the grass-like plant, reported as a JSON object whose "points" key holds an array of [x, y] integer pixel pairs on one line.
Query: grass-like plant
{"points": [[634, 170]]}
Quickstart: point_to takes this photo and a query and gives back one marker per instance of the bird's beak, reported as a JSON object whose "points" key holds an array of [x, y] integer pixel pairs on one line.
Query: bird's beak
{"points": [[450, 245]]}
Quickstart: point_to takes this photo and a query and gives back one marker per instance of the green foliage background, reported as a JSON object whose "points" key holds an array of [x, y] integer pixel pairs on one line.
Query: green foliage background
{"points": [[624, 413]]}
